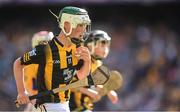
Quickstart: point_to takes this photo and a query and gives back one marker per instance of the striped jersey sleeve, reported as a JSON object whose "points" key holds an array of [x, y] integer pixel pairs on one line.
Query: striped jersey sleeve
{"points": [[34, 56]]}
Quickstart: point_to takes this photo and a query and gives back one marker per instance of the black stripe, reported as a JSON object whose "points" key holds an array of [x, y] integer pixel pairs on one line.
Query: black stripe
{"points": [[72, 101], [69, 55], [40, 79], [69, 65], [55, 38], [56, 78], [90, 80]]}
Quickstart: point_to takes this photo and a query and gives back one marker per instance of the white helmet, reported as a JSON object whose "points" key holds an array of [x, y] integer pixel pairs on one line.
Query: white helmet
{"points": [[74, 16], [42, 36], [93, 38]]}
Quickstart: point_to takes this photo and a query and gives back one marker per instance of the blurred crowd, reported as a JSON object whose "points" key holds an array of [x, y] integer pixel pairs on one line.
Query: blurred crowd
{"points": [[147, 55]]}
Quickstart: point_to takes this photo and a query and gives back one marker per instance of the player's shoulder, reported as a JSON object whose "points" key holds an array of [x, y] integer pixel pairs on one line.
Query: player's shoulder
{"points": [[41, 48]]}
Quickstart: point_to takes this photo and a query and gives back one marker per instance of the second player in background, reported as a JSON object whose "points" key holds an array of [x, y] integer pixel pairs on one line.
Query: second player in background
{"points": [[98, 42]]}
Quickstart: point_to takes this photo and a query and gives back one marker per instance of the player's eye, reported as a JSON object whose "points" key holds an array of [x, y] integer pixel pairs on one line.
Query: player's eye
{"points": [[82, 25], [104, 42]]}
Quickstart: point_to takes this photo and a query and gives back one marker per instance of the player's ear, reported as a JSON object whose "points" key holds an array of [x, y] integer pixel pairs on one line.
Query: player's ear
{"points": [[90, 46], [67, 26]]}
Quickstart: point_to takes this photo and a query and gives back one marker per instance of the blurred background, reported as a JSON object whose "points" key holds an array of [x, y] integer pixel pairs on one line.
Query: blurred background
{"points": [[145, 47]]}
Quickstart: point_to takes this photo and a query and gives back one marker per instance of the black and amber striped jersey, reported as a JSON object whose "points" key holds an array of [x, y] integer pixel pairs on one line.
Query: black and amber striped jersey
{"points": [[57, 66], [80, 101]]}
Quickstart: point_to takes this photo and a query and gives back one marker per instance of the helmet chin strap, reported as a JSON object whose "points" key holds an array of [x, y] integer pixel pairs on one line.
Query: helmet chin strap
{"points": [[96, 57], [76, 41]]}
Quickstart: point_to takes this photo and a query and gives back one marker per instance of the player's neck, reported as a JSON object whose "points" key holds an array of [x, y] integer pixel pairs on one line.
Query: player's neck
{"points": [[64, 40]]}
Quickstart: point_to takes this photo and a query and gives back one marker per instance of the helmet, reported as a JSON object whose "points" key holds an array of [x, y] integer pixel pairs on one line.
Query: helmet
{"points": [[74, 16], [93, 39], [94, 36], [42, 36]]}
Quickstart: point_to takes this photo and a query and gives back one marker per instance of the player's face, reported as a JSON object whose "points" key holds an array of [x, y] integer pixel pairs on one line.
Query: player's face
{"points": [[79, 31], [102, 48]]}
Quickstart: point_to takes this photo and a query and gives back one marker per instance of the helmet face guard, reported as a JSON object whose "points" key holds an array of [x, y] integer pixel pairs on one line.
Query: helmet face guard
{"points": [[74, 16], [96, 39], [102, 44]]}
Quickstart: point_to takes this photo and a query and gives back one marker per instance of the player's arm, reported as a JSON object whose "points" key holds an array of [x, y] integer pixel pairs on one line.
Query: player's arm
{"points": [[33, 56], [85, 55], [91, 93], [18, 74]]}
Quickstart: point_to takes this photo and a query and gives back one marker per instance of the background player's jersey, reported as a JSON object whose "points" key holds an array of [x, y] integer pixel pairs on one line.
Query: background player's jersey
{"points": [[57, 66], [95, 64], [30, 78], [80, 101]]}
